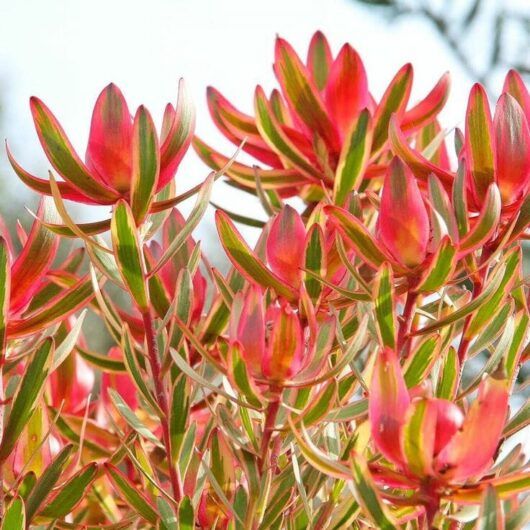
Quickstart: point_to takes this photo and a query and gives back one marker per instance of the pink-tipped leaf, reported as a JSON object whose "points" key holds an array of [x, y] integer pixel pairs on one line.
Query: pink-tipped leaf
{"points": [[347, 89], [429, 107], [302, 94], [178, 138], [63, 157], [479, 142], [512, 139], [251, 328], [403, 220], [109, 152], [286, 245], [394, 100], [388, 404], [515, 86], [472, 449]]}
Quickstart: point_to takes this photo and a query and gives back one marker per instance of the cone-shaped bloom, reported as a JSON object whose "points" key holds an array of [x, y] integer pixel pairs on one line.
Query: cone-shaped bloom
{"points": [[124, 156], [321, 120], [497, 150], [430, 437], [403, 224], [277, 354]]}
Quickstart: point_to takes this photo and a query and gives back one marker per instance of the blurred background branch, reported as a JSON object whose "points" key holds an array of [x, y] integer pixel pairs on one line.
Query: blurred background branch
{"points": [[487, 37]]}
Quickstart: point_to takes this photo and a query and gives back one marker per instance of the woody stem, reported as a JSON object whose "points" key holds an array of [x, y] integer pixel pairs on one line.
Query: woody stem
{"points": [[162, 400], [270, 421]]}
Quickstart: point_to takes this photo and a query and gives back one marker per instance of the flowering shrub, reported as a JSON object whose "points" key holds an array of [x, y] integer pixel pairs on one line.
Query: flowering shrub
{"points": [[361, 367]]}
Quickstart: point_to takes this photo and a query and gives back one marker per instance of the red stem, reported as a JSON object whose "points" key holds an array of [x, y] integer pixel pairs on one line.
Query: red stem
{"points": [[270, 422], [478, 285], [403, 341], [162, 400]]}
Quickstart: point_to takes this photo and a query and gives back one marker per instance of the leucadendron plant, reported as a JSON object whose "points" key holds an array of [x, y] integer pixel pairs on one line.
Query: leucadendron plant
{"points": [[363, 366]]}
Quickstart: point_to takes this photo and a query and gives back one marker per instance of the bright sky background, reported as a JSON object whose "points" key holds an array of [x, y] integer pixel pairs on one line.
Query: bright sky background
{"points": [[66, 51]]}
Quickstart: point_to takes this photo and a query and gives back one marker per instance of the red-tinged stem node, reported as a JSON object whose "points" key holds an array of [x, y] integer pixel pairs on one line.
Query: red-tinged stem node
{"points": [[270, 422]]}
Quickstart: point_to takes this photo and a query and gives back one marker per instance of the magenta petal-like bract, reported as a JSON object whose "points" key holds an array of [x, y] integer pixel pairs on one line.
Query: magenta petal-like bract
{"points": [[388, 403], [403, 219], [110, 141]]}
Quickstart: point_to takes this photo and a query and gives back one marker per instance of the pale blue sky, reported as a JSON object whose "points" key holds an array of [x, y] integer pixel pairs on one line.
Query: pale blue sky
{"points": [[66, 51]]}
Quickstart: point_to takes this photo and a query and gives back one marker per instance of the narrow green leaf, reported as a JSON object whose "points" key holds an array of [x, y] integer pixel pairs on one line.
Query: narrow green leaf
{"points": [[367, 496], [70, 301], [46, 482], [315, 261], [137, 501], [358, 236], [241, 377], [487, 308], [67, 345], [420, 363], [179, 414], [134, 370], [321, 403], [449, 376], [28, 393], [186, 515], [15, 515], [486, 223], [353, 158], [246, 262], [440, 268], [130, 417], [491, 516], [468, 308], [128, 254], [385, 306], [168, 519], [103, 362], [71, 493], [145, 164], [271, 130], [394, 100], [192, 221]]}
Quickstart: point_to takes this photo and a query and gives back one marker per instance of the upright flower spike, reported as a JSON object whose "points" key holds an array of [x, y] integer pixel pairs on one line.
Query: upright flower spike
{"points": [[272, 340], [122, 154], [323, 126], [403, 222]]}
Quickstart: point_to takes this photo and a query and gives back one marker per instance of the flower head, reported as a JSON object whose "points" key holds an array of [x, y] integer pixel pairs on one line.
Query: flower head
{"points": [[431, 437], [497, 150], [125, 156], [322, 126]]}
